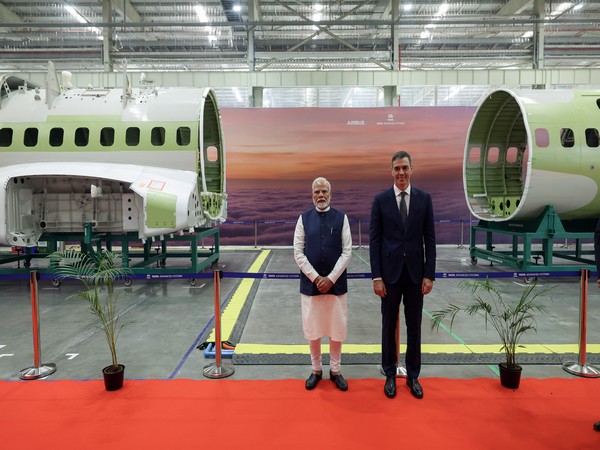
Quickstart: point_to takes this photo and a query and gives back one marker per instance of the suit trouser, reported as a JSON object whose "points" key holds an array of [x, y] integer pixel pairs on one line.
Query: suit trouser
{"points": [[406, 291]]}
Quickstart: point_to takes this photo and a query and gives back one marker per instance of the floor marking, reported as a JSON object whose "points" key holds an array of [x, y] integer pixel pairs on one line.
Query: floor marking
{"points": [[476, 349], [361, 258], [230, 314], [527, 284]]}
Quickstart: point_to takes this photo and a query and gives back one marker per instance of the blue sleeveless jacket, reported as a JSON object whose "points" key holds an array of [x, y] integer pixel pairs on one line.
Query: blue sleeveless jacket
{"points": [[323, 247]]}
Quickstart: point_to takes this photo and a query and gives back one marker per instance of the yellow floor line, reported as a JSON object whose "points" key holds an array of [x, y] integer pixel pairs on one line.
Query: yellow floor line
{"points": [[289, 349], [230, 314]]}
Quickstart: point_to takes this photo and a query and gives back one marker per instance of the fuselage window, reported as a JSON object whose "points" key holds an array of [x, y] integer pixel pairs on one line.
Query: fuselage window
{"points": [[212, 153], [512, 155], [82, 137], [132, 136], [30, 138], [6, 137], [183, 136], [56, 138], [107, 136], [492, 154], [542, 139], [591, 137], [474, 155], [567, 138], [158, 136]]}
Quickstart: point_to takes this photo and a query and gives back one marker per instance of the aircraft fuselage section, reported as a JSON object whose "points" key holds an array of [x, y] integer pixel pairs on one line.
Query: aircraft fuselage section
{"points": [[529, 149], [149, 160]]}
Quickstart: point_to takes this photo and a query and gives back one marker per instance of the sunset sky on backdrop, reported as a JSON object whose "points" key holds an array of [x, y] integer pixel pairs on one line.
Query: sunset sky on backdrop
{"points": [[343, 143], [273, 155]]}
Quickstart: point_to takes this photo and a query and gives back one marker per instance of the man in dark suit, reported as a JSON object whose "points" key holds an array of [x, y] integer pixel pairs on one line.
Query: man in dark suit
{"points": [[402, 252]]}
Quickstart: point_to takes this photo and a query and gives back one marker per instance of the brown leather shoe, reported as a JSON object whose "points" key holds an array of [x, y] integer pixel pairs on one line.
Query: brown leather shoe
{"points": [[313, 380], [339, 381]]}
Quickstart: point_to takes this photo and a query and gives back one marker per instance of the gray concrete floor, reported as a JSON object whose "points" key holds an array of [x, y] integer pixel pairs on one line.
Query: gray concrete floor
{"points": [[166, 320]]}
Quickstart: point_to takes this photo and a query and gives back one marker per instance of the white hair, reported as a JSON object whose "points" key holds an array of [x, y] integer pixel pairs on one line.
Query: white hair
{"points": [[321, 180]]}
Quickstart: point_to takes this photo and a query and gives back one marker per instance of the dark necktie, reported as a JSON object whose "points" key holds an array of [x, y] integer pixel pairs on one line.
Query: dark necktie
{"points": [[403, 213]]}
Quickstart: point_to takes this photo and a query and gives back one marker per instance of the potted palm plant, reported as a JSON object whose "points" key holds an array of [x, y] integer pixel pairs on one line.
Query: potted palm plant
{"points": [[510, 318], [98, 273]]}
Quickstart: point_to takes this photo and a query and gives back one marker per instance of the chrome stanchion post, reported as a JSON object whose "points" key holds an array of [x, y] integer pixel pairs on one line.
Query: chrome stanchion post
{"points": [[216, 369], [255, 234], [359, 234], [400, 368], [38, 370], [462, 234], [580, 368]]}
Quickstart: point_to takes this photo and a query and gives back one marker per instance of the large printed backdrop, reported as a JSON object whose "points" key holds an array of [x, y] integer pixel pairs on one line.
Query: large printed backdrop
{"points": [[273, 155]]}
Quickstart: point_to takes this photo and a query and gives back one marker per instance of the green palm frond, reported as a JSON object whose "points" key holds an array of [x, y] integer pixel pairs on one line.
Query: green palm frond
{"points": [[98, 273], [510, 318]]}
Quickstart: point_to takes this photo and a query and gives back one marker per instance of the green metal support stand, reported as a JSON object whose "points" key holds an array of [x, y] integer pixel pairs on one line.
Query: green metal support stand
{"points": [[185, 251], [533, 241]]}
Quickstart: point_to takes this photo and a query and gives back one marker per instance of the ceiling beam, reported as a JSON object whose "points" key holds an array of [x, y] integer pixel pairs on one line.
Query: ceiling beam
{"points": [[6, 15], [282, 79], [127, 11], [513, 7], [255, 13], [321, 29], [386, 14]]}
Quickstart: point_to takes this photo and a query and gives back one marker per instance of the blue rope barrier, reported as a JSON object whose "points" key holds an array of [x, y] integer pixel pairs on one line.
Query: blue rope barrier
{"points": [[287, 222], [438, 275], [290, 276]]}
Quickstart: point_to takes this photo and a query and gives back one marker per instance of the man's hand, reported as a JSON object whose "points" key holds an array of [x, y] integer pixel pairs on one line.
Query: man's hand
{"points": [[426, 286], [323, 284], [379, 288]]}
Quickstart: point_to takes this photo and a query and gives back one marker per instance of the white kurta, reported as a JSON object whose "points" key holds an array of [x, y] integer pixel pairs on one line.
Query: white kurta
{"points": [[324, 315]]}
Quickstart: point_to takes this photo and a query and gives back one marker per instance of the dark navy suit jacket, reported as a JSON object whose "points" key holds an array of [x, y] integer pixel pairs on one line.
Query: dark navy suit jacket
{"points": [[392, 245]]}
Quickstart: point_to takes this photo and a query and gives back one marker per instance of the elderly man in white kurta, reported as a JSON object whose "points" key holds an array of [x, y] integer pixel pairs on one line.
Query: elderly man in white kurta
{"points": [[322, 250]]}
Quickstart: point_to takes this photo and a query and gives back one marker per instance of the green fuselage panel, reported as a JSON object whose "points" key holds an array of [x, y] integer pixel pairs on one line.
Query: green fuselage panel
{"points": [[160, 209]]}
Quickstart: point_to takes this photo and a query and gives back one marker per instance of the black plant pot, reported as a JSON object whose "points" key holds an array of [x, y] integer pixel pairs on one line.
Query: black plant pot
{"points": [[510, 377], [113, 379]]}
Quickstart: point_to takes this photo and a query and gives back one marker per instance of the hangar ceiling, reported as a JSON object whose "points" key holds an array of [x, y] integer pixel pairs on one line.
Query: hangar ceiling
{"points": [[295, 35]]}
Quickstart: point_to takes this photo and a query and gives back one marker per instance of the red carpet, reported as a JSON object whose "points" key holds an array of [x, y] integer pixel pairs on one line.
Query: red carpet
{"points": [[227, 414]]}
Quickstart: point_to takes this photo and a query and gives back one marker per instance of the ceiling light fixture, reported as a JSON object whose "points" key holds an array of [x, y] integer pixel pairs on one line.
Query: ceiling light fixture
{"points": [[443, 9], [77, 15], [560, 9]]}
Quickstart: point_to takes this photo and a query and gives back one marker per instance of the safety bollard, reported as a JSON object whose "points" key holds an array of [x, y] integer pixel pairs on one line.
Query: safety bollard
{"points": [[580, 368], [400, 368], [216, 369], [38, 370]]}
